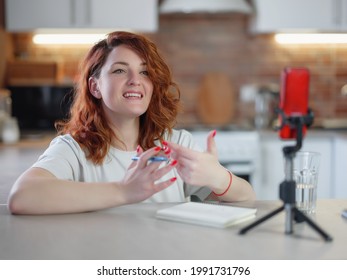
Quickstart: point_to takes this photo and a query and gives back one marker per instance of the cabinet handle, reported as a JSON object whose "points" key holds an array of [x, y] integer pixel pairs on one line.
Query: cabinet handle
{"points": [[337, 10], [88, 12], [73, 12], [343, 14]]}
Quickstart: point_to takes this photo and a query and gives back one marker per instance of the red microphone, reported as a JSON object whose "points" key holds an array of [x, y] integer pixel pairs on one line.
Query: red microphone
{"points": [[293, 99]]}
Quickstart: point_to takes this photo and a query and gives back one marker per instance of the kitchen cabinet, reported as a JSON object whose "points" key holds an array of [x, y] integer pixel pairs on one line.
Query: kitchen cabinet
{"points": [[273, 163], [299, 16], [340, 166], [138, 15], [23, 15]]}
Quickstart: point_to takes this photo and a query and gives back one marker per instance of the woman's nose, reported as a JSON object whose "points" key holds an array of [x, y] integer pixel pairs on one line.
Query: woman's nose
{"points": [[134, 79]]}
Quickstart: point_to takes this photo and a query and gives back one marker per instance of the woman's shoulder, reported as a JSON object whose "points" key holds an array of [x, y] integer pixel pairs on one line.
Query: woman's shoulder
{"points": [[66, 141], [64, 138]]}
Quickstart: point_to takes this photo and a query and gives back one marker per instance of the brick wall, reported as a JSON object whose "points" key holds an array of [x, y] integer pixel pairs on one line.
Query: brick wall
{"points": [[194, 45]]}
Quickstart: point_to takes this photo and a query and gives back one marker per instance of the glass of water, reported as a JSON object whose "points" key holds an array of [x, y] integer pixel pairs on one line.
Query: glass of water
{"points": [[306, 168]]}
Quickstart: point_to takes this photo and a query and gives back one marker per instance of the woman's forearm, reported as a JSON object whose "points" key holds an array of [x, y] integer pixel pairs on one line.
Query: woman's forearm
{"points": [[38, 192], [240, 190], [231, 188]]}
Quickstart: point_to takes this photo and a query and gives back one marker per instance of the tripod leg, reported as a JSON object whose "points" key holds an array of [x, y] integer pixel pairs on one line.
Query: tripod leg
{"points": [[263, 219], [302, 217]]}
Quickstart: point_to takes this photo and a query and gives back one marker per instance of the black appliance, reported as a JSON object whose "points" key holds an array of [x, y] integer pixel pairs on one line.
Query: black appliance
{"points": [[38, 107]]}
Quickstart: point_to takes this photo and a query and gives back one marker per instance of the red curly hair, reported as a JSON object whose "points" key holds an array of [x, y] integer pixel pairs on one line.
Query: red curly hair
{"points": [[87, 122]]}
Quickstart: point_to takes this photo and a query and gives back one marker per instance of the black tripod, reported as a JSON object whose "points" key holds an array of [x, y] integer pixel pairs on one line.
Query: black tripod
{"points": [[288, 186]]}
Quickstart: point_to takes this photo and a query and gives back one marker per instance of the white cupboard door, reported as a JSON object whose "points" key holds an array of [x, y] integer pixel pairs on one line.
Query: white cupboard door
{"points": [[340, 167], [344, 14], [140, 15], [272, 163], [296, 16], [27, 15], [135, 15]]}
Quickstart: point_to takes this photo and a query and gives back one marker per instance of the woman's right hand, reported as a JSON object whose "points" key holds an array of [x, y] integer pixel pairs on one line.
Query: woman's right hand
{"points": [[140, 180], [37, 191]]}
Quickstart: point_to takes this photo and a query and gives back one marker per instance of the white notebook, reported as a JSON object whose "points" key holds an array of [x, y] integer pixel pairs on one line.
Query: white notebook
{"points": [[213, 215]]}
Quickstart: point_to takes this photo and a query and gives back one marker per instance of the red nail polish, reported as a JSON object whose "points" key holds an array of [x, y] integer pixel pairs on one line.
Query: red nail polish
{"points": [[174, 162], [157, 149], [165, 143], [173, 179], [214, 133], [168, 151], [137, 148]]}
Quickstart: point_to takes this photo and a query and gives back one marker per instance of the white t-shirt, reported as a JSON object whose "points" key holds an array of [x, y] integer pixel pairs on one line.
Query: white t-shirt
{"points": [[65, 159]]}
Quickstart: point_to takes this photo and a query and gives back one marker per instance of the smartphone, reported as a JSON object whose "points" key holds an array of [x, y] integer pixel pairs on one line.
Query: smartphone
{"points": [[293, 98]]}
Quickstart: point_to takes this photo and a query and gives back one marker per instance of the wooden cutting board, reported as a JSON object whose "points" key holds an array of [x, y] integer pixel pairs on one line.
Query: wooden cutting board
{"points": [[216, 99]]}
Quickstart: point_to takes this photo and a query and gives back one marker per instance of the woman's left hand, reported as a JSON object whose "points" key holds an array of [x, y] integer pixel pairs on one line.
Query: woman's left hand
{"points": [[200, 168]]}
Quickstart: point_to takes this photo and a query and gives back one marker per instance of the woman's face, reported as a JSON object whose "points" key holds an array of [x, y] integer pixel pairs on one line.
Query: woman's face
{"points": [[123, 85]]}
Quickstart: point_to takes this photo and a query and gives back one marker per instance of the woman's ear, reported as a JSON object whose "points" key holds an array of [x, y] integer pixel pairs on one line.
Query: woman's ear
{"points": [[93, 87]]}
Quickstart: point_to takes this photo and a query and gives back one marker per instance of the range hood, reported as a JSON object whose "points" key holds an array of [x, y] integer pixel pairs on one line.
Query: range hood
{"points": [[205, 6]]}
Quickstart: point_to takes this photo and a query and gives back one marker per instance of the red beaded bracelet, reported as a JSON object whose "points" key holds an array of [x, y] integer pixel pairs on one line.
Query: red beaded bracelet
{"points": [[223, 193]]}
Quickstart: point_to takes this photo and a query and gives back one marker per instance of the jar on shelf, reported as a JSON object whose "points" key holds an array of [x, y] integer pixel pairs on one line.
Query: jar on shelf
{"points": [[10, 131]]}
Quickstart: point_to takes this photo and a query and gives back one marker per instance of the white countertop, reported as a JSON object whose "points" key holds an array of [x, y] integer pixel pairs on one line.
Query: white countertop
{"points": [[132, 232]]}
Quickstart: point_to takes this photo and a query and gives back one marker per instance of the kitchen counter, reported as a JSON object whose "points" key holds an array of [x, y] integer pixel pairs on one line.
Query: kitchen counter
{"points": [[311, 133], [16, 158]]}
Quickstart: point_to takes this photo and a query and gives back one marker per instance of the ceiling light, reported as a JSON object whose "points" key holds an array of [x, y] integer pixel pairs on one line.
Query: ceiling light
{"points": [[312, 38], [203, 6], [68, 39]]}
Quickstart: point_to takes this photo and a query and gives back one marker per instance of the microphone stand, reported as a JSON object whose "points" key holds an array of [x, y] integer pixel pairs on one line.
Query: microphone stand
{"points": [[288, 186]]}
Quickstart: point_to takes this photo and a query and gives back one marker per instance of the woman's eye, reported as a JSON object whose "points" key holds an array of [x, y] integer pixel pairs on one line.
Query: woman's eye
{"points": [[145, 73], [118, 71]]}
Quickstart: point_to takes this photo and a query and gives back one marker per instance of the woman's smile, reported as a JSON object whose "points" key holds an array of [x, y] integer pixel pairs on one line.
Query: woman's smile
{"points": [[133, 95]]}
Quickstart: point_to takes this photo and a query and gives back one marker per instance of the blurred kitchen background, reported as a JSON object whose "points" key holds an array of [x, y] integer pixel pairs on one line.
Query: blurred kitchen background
{"points": [[225, 56]]}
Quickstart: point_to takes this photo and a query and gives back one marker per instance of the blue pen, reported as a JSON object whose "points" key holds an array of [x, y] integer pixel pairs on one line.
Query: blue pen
{"points": [[152, 158]]}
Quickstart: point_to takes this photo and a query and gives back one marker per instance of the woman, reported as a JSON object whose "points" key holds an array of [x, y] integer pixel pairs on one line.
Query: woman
{"points": [[125, 104]]}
